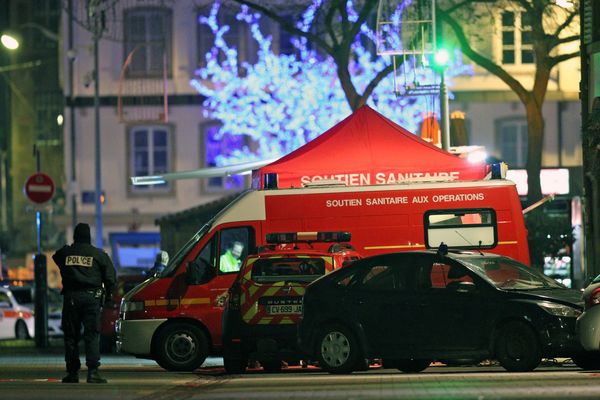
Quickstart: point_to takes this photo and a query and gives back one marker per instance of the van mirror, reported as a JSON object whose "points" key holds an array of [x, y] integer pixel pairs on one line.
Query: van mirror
{"points": [[199, 271]]}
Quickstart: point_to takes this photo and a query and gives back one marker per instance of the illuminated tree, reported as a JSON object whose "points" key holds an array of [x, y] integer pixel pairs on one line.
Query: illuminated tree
{"points": [[281, 102]]}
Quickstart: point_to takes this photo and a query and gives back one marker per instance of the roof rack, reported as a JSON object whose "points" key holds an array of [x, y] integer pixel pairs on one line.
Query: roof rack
{"points": [[324, 182]]}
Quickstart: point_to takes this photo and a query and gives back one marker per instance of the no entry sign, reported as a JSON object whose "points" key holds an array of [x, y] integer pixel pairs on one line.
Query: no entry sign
{"points": [[39, 188]]}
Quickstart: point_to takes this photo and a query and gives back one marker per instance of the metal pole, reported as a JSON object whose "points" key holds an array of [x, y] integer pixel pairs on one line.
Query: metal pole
{"points": [[98, 188], [38, 230], [3, 189], [72, 140], [38, 213], [444, 109]]}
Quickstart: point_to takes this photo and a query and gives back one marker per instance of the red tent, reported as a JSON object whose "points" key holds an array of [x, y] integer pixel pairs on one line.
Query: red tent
{"points": [[364, 149]]}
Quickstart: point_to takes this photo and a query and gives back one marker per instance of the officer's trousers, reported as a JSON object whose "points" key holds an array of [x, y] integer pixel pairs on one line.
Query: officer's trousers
{"points": [[81, 307]]}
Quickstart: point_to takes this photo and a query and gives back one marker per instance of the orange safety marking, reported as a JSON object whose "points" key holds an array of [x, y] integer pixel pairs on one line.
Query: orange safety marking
{"points": [[399, 246], [176, 302]]}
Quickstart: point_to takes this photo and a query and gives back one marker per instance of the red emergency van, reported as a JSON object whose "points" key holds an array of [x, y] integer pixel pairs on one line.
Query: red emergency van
{"points": [[175, 318]]}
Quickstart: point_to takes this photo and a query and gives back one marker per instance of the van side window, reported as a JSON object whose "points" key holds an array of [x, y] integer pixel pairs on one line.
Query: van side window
{"points": [[461, 228], [208, 253], [234, 245]]}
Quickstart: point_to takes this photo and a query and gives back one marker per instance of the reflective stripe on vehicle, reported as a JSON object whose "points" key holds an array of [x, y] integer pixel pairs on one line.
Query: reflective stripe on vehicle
{"points": [[176, 302]]}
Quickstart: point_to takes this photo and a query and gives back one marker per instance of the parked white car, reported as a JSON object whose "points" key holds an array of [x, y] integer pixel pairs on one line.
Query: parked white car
{"points": [[588, 323], [16, 320]]}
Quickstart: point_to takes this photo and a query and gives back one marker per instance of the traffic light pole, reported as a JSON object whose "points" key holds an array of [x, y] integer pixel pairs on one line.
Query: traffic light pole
{"points": [[41, 277], [445, 111]]}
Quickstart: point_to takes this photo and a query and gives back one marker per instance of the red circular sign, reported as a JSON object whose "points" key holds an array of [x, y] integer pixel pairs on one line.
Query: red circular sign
{"points": [[39, 188]]}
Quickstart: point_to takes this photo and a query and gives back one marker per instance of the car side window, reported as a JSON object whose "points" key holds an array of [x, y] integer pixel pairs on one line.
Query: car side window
{"points": [[4, 300], [436, 274], [380, 277]]}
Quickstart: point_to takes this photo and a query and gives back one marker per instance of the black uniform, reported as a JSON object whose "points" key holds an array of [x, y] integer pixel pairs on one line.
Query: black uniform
{"points": [[87, 272]]}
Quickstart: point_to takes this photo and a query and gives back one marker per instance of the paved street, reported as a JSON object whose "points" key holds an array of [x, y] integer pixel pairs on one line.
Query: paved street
{"points": [[29, 375]]}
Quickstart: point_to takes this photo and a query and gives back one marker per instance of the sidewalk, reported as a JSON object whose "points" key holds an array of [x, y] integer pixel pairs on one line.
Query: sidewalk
{"points": [[24, 352]]}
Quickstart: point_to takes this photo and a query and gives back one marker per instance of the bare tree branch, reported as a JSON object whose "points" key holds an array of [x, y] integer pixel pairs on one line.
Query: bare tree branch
{"points": [[362, 17], [329, 25], [373, 84], [568, 39], [565, 24], [563, 57], [286, 25]]}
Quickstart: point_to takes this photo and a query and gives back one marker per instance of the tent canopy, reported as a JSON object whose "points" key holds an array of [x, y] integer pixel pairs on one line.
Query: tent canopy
{"points": [[366, 148]]}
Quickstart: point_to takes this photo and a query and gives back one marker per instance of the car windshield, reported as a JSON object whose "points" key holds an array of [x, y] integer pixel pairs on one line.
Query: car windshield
{"points": [[289, 269], [596, 279], [505, 273]]}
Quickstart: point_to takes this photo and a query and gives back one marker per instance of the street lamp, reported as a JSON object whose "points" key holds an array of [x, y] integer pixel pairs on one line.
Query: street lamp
{"points": [[9, 41]]}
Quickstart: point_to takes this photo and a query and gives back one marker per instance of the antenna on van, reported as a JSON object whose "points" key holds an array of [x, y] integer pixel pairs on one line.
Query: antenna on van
{"points": [[442, 249]]}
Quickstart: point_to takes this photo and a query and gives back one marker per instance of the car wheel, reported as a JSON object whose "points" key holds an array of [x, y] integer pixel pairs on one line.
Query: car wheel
{"points": [[587, 361], [338, 350], [181, 347], [21, 331], [271, 366], [412, 365], [517, 347]]}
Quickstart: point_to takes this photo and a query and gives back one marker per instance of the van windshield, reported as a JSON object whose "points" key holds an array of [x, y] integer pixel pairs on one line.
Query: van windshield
{"points": [[183, 252]]}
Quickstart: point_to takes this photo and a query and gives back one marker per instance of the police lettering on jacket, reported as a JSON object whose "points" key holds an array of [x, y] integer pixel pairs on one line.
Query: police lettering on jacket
{"points": [[79, 261]]}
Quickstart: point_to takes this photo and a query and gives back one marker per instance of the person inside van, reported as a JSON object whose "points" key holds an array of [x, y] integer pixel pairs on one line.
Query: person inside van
{"points": [[231, 261], [160, 263]]}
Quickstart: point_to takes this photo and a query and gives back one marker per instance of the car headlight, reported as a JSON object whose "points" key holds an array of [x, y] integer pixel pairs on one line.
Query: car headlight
{"points": [[129, 306], [560, 310]]}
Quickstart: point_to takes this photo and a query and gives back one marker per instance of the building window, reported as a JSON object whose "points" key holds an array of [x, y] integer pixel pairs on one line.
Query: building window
{"points": [[517, 45], [511, 141], [215, 145], [148, 36], [150, 154]]}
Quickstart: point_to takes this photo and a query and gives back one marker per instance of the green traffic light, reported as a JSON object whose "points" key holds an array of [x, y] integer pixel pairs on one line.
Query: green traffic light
{"points": [[441, 58]]}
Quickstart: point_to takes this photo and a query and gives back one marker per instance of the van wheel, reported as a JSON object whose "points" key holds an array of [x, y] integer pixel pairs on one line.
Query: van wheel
{"points": [[271, 366], [181, 347], [412, 366], [338, 350], [21, 331], [517, 348]]}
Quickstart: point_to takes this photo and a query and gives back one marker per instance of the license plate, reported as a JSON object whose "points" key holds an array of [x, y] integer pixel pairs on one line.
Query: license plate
{"points": [[277, 309]]}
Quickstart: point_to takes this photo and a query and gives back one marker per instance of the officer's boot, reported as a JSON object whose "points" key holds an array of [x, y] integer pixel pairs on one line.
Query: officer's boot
{"points": [[72, 377], [94, 377]]}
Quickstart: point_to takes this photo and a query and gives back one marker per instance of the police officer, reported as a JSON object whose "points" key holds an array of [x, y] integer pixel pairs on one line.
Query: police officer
{"points": [[88, 276]]}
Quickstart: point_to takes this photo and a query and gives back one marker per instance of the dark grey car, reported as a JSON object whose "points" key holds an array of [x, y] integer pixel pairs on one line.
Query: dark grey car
{"points": [[412, 308]]}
